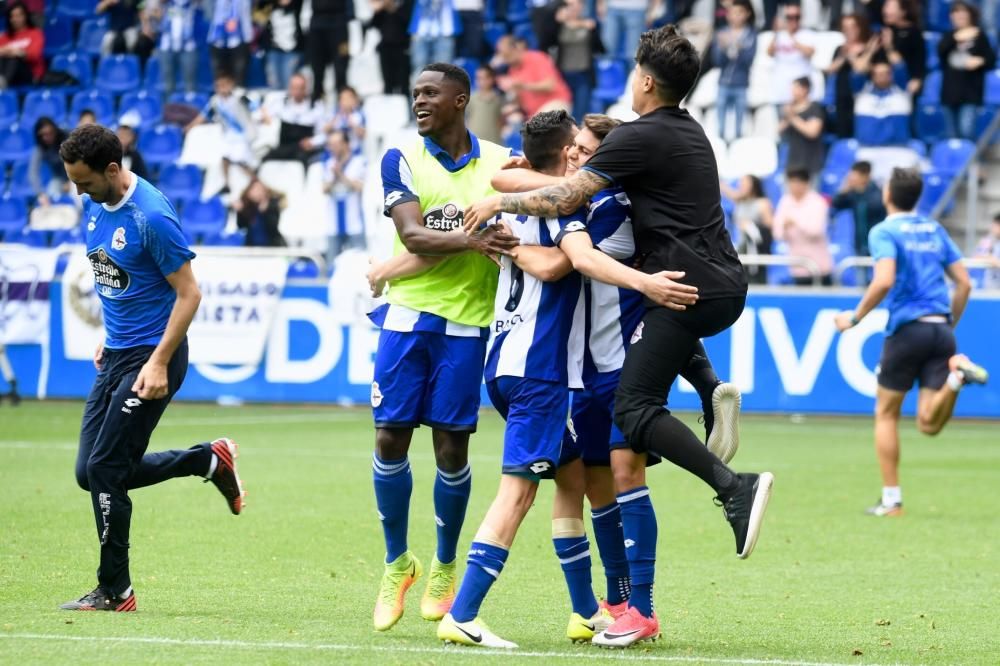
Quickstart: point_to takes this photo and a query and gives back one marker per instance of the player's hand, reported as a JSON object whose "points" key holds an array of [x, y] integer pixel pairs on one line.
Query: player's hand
{"points": [[662, 288], [151, 384], [493, 241], [375, 281], [99, 356], [517, 162], [480, 213], [844, 320]]}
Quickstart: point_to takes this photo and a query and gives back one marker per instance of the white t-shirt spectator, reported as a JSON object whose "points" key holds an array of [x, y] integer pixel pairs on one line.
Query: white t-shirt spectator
{"points": [[347, 219], [789, 63]]}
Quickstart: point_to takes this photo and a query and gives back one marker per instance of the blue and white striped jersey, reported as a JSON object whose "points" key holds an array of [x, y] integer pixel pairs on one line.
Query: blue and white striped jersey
{"points": [[531, 335], [612, 313]]}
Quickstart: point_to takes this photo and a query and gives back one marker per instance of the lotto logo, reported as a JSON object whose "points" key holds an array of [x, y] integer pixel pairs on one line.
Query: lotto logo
{"points": [[629, 543], [133, 402], [540, 466], [392, 198]]}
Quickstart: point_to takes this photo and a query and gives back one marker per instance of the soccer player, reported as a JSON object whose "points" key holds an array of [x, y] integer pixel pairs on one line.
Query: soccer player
{"points": [[665, 164], [142, 270], [912, 255], [432, 344]]}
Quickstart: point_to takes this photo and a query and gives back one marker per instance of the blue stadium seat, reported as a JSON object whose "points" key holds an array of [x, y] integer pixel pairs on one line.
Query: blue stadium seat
{"points": [[77, 9], [118, 73], [58, 35], [161, 144], [830, 181], [772, 188], [936, 15], [932, 39], [20, 184], [68, 236], [31, 237], [935, 185], [991, 94], [256, 71], [841, 156], [303, 269], [492, 32], [16, 144], [146, 104], [526, 32], [49, 103], [91, 36], [101, 103], [197, 100], [180, 182], [984, 116], [204, 218], [930, 123], [917, 146], [931, 94], [778, 275], [13, 215], [518, 11], [9, 110], [612, 74], [235, 239], [950, 155], [76, 64], [841, 232], [469, 65], [152, 76]]}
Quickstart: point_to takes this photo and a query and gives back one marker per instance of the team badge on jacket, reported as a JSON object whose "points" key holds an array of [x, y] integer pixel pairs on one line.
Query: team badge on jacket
{"points": [[118, 241]]}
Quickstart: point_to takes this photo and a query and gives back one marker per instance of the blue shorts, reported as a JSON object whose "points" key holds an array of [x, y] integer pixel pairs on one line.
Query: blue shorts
{"points": [[427, 378], [591, 432], [535, 412]]}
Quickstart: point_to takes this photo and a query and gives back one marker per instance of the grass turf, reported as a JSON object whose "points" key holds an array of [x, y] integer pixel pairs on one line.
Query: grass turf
{"points": [[294, 578]]}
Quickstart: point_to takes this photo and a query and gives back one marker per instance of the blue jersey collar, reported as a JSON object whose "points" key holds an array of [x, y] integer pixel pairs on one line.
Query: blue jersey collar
{"points": [[442, 156]]}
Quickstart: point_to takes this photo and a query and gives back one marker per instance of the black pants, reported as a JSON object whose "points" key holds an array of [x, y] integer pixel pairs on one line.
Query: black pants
{"points": [[15, 71], [470, 44], [395, 62], [112, 459], [231, 61], [329, 44], [662, 346]]}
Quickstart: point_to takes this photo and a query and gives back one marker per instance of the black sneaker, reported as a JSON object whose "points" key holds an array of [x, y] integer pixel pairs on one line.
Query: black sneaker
{"points": [[744, 509], [99, 600], [15, 398], [225, 477]]}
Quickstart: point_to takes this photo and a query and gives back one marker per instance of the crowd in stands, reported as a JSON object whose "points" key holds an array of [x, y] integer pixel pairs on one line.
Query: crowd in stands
{"points": [[886, 85]]}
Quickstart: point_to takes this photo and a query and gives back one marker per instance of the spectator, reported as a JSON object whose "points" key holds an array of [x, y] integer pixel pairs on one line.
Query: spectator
{"points": [[733, 50], [801, 127], [433, 28], [966, 56], [753, 216], [258, 211], [131, 157], [176, 47], [389, 17], [577, 35], [48, 136], [36, 11], [532, 77], [903, 42], [801, 221], [882, 110], [344, 179], [850, 63], [21, 45], [989, 248], [300, 136], [232, 110], [328, 42], [484, 112], [283, 41], [230, 33], [792, 49], [863, 197], [471, 41], [622, 21], [544, 25], [123, 25], [349, 117], [87, 117]]}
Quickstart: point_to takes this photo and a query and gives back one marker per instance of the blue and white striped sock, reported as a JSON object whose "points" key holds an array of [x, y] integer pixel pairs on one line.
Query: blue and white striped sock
{"points": [[393, 486]]}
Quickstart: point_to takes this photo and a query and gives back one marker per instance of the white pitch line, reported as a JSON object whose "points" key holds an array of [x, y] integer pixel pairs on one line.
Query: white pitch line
{"points": [[404, 649], [234, 419]]}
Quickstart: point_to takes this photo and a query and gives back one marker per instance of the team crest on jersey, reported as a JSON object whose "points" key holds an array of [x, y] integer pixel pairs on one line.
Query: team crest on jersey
{"points": [[376, 395], [637, 335], [118, 241], [444, 218]]}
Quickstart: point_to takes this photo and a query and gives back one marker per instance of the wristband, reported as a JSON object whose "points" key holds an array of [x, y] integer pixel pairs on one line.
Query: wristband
{"points": [[854, 320]]}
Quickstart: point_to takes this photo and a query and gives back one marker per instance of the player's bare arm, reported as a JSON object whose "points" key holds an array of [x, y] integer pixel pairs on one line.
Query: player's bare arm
{"points": [[561, 199], [522, 180], [418, 239], [661, 287], [547, 264], [402, 265], [882, 281], [959, 275], [151, 384]]}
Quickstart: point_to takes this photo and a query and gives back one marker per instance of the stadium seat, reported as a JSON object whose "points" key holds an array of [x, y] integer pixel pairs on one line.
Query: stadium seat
{"points": [[203, 145], [829, 182], [31, 237], [518, 11], [152, 75], [984, 116], [50, 103], [16, 144], [469, 65], [706, 91], [930, 123], [91, 36], [826, 43], [203, 218], [935, 186], [13, 215], [101, 103], [931, 94], [75, 64], [841, 232], [936, 15], [526, 32], [118, 73], [779, 274], [161, 144], [180, 182], [235, 239], [303, 269], [58, 36], [753, 155], [949, 156], [285, 176], [197, 100], [8, 108], [991, 94], [256, 77], [611, 75], [841, 155], [20, 183], [772, 188], [932, 39], [76, 9], [917, 146], [146, 104], [66, 236], [492, 32]]}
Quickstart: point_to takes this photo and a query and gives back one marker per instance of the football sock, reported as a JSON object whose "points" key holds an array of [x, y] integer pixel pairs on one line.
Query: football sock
{"points": [[573, 551], [955, 381], [639, 529], [891, 495], [670, 439], [393, 485], [482, 569], [451, 497], [607, 521]]}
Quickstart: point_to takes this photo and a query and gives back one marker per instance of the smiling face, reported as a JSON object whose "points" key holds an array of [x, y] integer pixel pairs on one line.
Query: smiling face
{"points": [[90, 182], [584, 146], [438, 103]]}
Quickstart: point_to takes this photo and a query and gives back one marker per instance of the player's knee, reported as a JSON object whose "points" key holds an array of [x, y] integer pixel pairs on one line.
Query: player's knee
{"points": [[81, 477], [451, 450], [928, 428], [391, 444]]}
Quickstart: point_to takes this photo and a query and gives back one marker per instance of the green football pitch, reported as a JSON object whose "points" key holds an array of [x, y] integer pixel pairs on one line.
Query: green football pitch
{"points": [[294, 578]]}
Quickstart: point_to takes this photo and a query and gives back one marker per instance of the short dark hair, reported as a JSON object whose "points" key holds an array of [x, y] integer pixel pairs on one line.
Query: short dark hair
{"points": [[804, 82], [745, 4], [671, 60], [600, 125], [453, 73], [905, 186], [796, 173], [10, 10], [94, 145], [545, 135], [863, 167], [969, 7]]}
